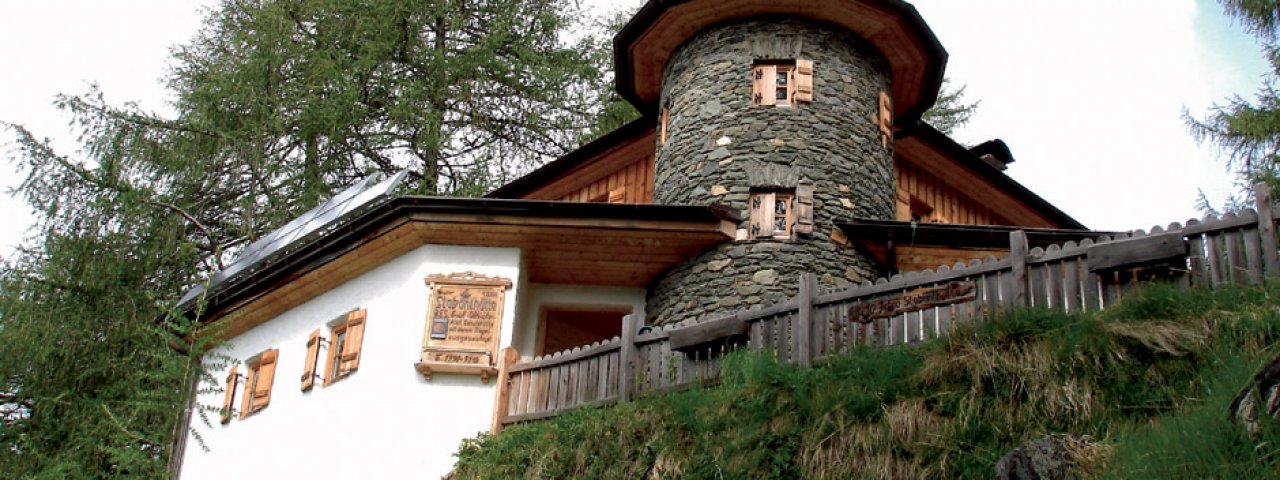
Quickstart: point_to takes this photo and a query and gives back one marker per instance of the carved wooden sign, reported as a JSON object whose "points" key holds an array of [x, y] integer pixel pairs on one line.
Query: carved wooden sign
{"points": [[915, 300], [464, 324]]}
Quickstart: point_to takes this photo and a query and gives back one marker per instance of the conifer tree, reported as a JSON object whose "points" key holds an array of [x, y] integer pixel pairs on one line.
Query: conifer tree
{"points": [[1249, 131], [278, 103]]}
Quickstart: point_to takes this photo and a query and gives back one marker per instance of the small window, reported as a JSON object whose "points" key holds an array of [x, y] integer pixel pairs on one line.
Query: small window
{"points": [[885, 119], [617, 195], [257, 382], [782, 83], [346, 334], [781, 214]]}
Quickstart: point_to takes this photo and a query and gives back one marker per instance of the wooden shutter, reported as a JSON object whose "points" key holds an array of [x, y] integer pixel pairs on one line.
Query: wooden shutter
{"points": [[246, 398], [265, 376], [229, 398], [761, 215], [662, 126], [763, 85], [313, 356], [803, 81], [886, 119], [618, 195], [331, 357], [355, 336], [804, 209]]}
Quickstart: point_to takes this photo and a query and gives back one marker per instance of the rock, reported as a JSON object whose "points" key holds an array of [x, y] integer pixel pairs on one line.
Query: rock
{"points": [[719, 265], [1262, 394], [718, 153], [765, 277], [1051, 457], [718, 190]]}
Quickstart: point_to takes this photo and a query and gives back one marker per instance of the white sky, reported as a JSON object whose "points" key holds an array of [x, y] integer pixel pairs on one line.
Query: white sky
{"points": [[1088, 94]]}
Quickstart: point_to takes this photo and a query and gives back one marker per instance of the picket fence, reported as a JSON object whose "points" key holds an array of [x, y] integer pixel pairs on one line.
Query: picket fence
{"points": [[913, 307]]}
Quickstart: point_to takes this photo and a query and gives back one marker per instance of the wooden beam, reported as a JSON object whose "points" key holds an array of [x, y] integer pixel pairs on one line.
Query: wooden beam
{"points": [[1136, 251]]}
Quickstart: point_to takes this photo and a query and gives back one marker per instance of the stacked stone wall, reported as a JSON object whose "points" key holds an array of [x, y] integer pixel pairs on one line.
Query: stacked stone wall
{"points": [[719, 148]]}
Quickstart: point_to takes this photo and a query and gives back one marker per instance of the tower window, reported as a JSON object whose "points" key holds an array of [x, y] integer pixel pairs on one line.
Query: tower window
{"points": [[781, 214], [781, 83]]}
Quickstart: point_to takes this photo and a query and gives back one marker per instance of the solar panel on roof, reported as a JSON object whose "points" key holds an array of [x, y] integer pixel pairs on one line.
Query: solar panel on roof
{"points": [[365, 192]]}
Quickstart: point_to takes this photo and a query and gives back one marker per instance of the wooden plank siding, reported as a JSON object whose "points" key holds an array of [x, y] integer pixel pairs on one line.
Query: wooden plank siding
{"points": [[627, 165], [948, 203], [635, 179]]}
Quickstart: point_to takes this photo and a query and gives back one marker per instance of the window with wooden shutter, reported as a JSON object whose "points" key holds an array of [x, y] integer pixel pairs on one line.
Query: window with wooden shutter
{"points": [[229, 396], [345, 339], [355, 338], [258, 381], [886, 119], [313, 357], [781, 83], [772, 215]]}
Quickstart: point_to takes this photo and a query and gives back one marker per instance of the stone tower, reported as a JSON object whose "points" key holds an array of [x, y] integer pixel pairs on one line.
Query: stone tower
{"points": [[783, 112]]}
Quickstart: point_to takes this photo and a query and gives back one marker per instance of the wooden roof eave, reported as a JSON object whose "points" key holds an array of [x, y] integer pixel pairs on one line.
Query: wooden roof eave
{"points": [[562, 242], [917, 59]]}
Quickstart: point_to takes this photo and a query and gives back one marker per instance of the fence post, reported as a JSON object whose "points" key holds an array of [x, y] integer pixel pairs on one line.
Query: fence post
{"points": [[502, 398], [803, 341], [1267, 228], [1018, 261], [625, 365]]}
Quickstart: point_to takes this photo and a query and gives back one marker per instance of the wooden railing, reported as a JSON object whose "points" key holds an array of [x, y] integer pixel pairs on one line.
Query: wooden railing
{"points": [[913, 307]]}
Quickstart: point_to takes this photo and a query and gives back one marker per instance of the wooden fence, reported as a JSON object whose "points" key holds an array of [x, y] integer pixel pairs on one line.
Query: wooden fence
{"points": [[913, 307]]}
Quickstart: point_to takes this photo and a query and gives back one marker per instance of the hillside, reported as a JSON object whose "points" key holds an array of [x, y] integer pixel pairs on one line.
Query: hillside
{"points": [[1145, 386]]}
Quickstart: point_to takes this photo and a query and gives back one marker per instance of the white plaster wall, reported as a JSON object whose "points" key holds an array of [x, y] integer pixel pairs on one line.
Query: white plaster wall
{"points": [[384, 420], [535, 296]]}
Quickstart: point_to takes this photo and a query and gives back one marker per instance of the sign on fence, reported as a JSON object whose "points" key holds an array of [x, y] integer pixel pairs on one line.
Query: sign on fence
{"points": [[912, 301]]}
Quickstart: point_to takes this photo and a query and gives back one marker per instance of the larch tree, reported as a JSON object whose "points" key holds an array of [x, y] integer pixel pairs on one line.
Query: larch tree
{"points": [[278, 104], [1248, 132]]}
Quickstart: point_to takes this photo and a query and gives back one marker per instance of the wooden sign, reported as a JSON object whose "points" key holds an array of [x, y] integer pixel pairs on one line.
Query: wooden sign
{"points": [[463, 325], [915, 300]]}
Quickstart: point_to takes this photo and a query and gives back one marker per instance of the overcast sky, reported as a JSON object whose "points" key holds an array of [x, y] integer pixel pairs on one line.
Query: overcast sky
{"points": [[1088, 94]]}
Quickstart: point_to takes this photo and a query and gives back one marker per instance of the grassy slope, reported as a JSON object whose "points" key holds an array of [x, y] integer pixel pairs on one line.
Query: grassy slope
{"points": [[1149, 381]]}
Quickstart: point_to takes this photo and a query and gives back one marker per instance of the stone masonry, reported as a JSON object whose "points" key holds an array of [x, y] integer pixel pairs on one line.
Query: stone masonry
{"points": [[719, 148]]}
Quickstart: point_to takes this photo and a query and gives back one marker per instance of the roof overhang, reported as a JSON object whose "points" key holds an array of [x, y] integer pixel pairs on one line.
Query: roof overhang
{"points": [[561, 242], [894, 27]]}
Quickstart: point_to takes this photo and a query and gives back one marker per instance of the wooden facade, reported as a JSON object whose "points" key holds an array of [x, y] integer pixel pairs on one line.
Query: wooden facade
{"points": [[924, 197], [623, 174]]}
